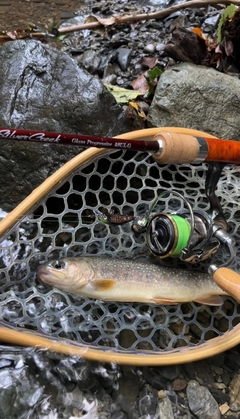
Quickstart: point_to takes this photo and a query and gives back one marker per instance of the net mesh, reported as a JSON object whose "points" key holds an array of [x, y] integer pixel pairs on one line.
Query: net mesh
{"points": [[65, 224]]}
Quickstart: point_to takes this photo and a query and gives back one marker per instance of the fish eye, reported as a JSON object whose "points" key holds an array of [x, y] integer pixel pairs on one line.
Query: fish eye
{"points": [[58, 264]]}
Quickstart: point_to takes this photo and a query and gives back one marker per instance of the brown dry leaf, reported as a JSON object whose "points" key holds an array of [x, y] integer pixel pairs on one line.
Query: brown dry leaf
{"points": [[109, 21], [137, 108], [198, 32], [105, 24], [210, 43], [228, 46], [148, 62], [216, 56], [18, 34], [141, 83]]}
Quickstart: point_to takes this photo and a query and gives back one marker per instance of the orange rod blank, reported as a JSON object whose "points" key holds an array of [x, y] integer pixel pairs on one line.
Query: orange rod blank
{"points": [[223, 150]]}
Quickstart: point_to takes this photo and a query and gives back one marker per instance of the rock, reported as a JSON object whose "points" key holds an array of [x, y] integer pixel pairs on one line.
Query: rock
{"points": [[149, 48], [90, 61], [162, 394], [170, 372], [124, 57], [147, 401], [165, 409], [211, 22], [199, 371], [179, 384], [153, 377], [118, 415], [219, 386], [44, 89], [128, 392], [234, 392], [219, 396], [224, 408], [201, 402], [181, 20], [160, 47], [194, 96]]}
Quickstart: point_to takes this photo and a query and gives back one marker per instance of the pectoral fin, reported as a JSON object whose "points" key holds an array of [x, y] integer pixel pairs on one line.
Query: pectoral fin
{"points": [[104, 284], [211, 300], [164, 301]]}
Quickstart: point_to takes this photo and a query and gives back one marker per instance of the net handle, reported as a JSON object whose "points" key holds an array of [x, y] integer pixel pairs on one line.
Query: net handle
{"points": [[229, 281]]}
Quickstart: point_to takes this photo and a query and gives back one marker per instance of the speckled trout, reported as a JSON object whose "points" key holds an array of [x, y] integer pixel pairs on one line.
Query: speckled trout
{"points": [[129, 280]]}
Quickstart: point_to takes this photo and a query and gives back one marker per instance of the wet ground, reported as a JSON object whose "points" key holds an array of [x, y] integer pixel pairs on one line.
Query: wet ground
{"points": [[13, 13]]}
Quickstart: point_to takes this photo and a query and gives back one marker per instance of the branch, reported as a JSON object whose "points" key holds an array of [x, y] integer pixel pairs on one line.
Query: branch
{"points": [[146, 16], [115, 20]]}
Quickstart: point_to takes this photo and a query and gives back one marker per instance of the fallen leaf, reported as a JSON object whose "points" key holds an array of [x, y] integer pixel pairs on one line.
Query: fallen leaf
{"points": [[123, 95], [109, 21], [148, 62], [152, 78], [198, 32], [228, 46], [227, 14], [137, 108], [141, 83], [18, 34], [147, 81], [153, 74]]}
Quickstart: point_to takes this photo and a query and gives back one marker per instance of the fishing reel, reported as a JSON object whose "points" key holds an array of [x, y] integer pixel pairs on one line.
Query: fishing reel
{"points": [[190, 235]]}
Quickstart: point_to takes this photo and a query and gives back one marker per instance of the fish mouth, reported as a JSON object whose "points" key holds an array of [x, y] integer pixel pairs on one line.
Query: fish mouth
{"points": [[44, 275]]}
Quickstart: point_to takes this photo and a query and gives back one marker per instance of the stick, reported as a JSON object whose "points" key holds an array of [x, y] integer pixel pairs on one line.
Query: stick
{"points": [[117, 20], [147, 16]]}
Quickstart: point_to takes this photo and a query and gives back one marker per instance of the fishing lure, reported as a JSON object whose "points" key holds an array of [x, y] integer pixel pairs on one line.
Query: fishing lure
{"points": [[113, 218]]}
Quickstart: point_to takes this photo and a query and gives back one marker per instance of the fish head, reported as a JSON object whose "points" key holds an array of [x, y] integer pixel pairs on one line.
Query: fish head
{"points": [[66, 274]]}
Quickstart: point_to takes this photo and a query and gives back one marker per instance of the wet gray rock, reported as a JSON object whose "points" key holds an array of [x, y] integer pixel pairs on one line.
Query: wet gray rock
{"points": [[201, 402], [127, 393], [90, 61], [197, 97], [149, 48], [211, 22], [124, 57], [170, 372], [147, 401], [234, 392], [165, 409], [43, 89], [153, 377]]}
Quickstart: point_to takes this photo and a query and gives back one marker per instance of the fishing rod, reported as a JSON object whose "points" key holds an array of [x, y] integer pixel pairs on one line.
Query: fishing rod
{"points": [[167, 147]]}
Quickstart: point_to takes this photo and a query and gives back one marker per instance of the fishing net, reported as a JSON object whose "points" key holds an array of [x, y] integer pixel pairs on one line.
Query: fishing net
{"points": [[64, 223]]}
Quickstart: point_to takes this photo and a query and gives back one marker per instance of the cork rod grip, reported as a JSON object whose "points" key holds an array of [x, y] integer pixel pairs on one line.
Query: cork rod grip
{"points": [[229, 281], [176, 148]]}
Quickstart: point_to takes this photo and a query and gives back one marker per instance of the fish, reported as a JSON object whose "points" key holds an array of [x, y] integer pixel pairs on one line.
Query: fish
{"points": [[122, 280]]}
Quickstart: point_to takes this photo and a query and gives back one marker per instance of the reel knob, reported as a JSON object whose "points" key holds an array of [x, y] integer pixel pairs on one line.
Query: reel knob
{"points": [[168, 235]]}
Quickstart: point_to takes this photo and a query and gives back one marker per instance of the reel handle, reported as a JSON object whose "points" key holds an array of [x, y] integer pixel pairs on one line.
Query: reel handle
{"points": [[229, 281]]}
